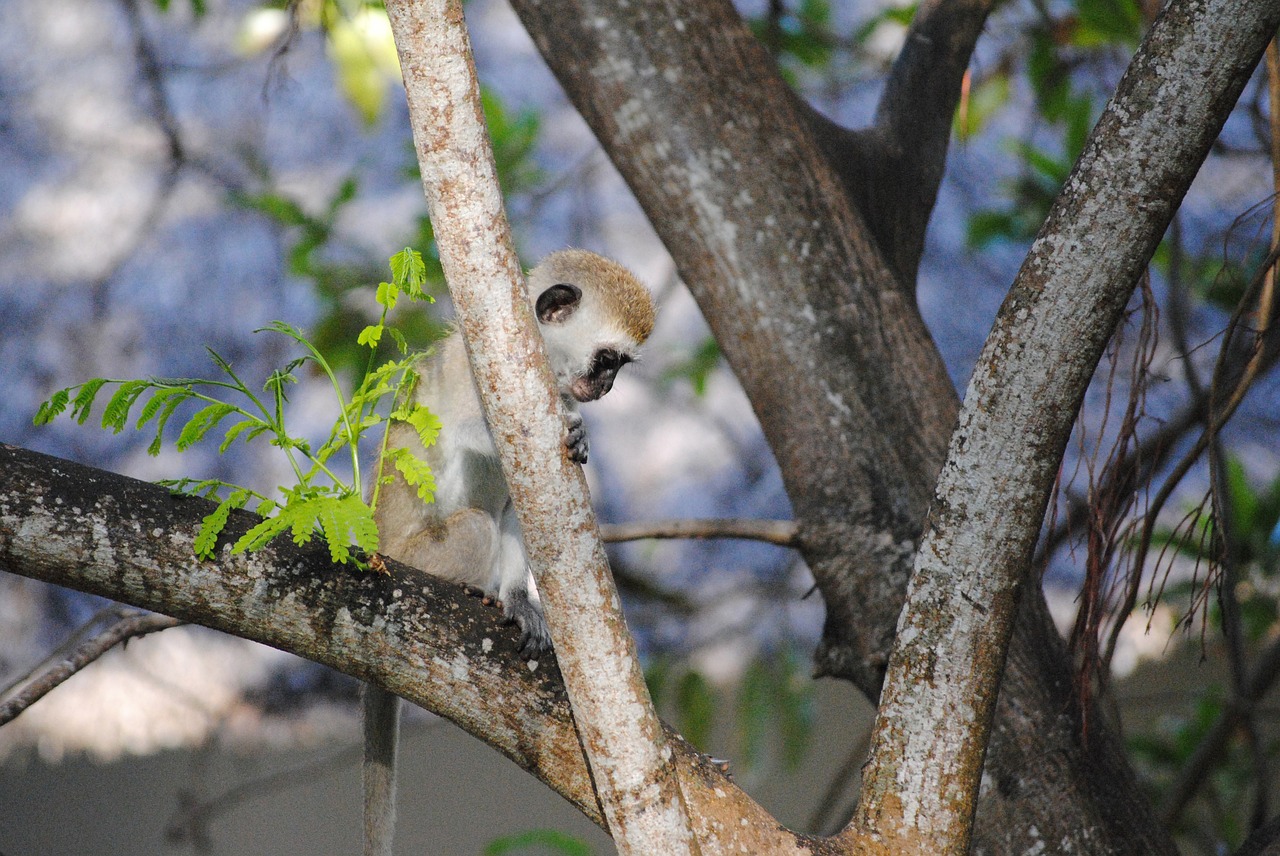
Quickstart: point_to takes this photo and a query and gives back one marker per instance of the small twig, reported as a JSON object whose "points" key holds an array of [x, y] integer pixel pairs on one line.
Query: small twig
{"points": [[68, 644], [784, 533], [130, 625]]}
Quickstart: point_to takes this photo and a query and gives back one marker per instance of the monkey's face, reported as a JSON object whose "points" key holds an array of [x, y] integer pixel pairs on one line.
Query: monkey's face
{"points": [[586, 349], [594, 315], [599, 378]]}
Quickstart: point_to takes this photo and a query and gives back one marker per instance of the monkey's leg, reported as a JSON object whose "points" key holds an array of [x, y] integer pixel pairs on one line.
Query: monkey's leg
{"points": [[459, 548]]}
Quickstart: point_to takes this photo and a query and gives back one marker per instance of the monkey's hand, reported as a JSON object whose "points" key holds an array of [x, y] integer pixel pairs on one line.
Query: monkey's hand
{"points": [[576, 439], [535, 638]]}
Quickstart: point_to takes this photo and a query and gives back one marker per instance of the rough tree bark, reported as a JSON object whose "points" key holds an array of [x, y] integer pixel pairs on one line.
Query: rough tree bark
{"points": [[1019, 410], [800, 244], [618, 727]]}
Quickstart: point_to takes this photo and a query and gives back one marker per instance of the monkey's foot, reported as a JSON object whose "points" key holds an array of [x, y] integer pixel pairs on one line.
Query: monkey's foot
{"points": [[535, 638]]}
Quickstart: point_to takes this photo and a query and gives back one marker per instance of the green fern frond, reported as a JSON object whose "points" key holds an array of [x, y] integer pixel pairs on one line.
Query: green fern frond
{"points": [[162, 395], [336, 527], [336, 510], [303, 516], [83, 402], [259, 535], [426, 423], [364, 531], [416, 472], [214, 522], [116, 416], [409, 272], [239, 428], [200, 424], [51, 409], [170, 405]]}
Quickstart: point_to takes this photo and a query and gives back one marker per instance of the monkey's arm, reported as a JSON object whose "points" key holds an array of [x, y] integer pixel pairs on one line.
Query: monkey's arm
{"points": [[514, 589]]}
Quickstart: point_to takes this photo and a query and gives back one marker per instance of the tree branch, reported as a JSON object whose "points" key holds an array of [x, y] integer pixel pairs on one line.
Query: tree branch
{"points": [[128, 624], [783, 533], [419, 637], [893, 169], [921, 784], [620, 731]]}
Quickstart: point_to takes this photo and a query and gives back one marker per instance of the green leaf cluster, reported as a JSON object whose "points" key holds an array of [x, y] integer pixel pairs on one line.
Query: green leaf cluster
{"points": [[1059, 46], [319, 500]]}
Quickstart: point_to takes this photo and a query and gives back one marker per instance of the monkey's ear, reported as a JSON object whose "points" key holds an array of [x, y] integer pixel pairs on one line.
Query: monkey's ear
{"points": [[558, 302]]}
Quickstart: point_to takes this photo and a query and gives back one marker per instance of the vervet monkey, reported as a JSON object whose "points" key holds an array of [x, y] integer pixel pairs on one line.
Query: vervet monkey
{"points": [[593, 315]]}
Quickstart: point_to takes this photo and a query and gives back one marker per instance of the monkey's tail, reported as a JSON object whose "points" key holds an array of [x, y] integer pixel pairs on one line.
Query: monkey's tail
{"points": [[381, 716]]}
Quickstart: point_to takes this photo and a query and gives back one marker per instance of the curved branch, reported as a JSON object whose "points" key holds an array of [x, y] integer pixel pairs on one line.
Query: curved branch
{"points": [[921, 784], [419, 637]]}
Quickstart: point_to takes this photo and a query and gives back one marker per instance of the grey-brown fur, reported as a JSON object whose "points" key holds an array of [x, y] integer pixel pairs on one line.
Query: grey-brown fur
{"points": [[593, 315]]}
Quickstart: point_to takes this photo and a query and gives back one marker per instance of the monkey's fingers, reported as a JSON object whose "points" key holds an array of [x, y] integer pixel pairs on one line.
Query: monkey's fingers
{"points": [[576, 439]]}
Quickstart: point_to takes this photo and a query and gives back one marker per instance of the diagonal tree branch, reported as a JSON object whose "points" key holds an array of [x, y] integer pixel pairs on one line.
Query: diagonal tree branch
{"points": [[419, 637], [621, 735]]}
